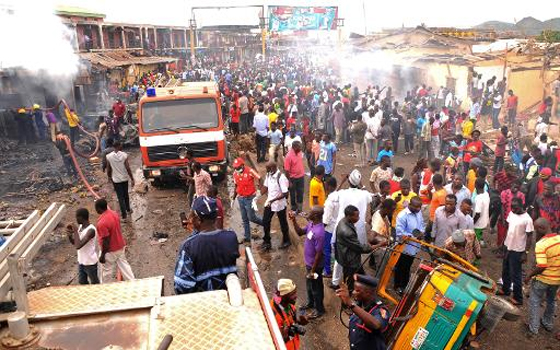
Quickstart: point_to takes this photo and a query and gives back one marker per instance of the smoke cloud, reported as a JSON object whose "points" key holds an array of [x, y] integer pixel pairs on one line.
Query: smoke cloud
{"points": [[33, 37]]}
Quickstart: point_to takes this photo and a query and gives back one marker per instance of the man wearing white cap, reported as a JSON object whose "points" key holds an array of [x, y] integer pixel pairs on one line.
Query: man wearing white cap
{"points": [[354, 195], [283, 305], [358, 197]]}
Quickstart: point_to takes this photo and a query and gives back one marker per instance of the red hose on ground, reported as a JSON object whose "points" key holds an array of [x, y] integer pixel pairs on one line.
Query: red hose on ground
{"points": [[78, 169], [73, 151]]}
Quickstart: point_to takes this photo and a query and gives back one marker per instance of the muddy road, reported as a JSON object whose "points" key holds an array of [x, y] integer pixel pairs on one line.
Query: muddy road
{"points": [[158, 210]]}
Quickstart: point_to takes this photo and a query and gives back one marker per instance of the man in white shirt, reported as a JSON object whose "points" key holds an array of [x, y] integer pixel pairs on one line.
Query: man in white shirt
{"points": [[330, 214], [260, 123], [276, 187], [481, 209], [518, 242], [373, 124], [360, 198], [290, 138], [449, 99], [84, 240], [496, 108], [118, 171]]}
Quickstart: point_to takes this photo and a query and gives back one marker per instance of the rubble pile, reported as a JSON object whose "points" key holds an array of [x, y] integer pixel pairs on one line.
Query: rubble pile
{"points": [[244, 143]]}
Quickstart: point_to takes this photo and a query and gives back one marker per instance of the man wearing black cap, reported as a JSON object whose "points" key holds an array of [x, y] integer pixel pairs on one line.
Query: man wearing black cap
{"points": [[208, 255], [370, 318]]}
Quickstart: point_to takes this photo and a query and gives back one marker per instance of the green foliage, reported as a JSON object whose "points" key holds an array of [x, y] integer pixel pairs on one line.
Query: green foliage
{"points": [[549, 36]]}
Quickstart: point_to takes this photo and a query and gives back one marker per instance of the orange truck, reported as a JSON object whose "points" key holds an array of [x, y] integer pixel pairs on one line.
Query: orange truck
{"points": [[175, 120]]}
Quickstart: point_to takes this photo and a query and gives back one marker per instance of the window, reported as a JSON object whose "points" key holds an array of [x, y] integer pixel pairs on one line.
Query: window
{"points": [[179, 114]]}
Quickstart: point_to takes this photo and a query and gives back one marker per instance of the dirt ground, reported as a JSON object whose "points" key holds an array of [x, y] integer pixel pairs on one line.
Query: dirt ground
{"points": [[158, 211]]}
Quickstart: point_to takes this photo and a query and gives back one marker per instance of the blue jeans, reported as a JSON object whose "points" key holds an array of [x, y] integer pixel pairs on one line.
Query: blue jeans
{"points": [[511, 273], [261, 148], [248, 215], [327, 253], [540, 291], [103, 143], [87, 274]]}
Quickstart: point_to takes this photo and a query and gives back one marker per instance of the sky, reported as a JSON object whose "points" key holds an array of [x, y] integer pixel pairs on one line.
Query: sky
{"points": [[391, 14]]}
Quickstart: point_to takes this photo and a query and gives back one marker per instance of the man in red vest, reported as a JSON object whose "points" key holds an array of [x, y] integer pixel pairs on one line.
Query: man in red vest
{"points": [[245, 191]]}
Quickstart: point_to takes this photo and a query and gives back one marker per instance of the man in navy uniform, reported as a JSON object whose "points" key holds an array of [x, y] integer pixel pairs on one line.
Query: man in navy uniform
{"points": [[370, 318]]}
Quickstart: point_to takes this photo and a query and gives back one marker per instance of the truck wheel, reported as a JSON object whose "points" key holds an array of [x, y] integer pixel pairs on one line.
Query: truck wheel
{"points": [[221, 177], [157, 183]]}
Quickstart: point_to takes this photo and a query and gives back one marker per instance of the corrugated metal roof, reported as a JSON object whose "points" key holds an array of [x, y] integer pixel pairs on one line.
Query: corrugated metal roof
{"points": [[114, 59], [77, 11]]}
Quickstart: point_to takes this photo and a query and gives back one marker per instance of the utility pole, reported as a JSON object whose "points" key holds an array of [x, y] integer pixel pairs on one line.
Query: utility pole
{"points": [[263, 24], [365, 16], [192, 26], [339, 25]]}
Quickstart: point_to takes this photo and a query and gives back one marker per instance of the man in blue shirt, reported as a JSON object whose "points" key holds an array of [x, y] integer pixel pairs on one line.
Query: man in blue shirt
{"points": [[386, 151], [327, 154], [260, 123], [275, 142], [208, 255], [370, 318], [410, 224]]}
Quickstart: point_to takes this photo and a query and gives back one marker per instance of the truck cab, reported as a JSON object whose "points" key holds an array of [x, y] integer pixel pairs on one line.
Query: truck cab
{"points": [[175, 120]]}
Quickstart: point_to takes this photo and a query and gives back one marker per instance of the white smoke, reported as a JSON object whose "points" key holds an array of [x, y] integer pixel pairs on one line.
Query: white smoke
{"points": [[34, 38]]}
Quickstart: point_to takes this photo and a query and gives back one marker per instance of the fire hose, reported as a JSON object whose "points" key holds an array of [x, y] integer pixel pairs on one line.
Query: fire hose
{"points": [[73, 151], [90, 134]]}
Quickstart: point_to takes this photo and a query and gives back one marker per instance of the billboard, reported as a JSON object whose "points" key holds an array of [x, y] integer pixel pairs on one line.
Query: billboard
{"points": [[298, 18]]}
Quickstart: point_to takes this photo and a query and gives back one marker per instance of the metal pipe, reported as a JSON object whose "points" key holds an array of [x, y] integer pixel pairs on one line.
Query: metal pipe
{"points": [[166, 342], [18, 325]]}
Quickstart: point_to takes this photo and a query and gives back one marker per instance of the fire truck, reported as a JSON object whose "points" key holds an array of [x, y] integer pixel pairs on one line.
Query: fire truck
{"points": [[178, 120]]}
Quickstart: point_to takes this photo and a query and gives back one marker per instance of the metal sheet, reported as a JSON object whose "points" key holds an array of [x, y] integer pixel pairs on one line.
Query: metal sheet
{"points": [[126, 330], [87, 299], [205, 321]]}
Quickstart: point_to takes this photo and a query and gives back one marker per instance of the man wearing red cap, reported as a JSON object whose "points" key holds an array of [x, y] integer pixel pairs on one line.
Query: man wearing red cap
{"points": [[245, 190]]}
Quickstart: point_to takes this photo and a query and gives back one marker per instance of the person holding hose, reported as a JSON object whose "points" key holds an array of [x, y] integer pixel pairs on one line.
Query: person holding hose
{"points": [[73, 123]]}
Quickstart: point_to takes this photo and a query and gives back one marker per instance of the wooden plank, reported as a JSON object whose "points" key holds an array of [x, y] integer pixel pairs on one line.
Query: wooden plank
{"points": [[11, 223], [14, 239], [23, 244], [37, 241], [18, 282], [7, 231]]}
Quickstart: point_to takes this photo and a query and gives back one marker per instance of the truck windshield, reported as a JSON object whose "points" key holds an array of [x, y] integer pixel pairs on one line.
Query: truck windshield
{"points": [[179, 114]]}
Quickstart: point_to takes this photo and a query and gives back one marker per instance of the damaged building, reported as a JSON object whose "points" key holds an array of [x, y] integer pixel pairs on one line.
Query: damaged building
{"points": [[421, 56]]}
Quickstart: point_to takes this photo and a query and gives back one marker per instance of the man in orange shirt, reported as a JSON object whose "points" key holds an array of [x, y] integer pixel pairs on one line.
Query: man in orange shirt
{"points": [[511, 107], [283, 305], [438, 199]]}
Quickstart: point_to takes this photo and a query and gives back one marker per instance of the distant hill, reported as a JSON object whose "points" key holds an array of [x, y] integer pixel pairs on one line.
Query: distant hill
{"points": [[526, 26]]}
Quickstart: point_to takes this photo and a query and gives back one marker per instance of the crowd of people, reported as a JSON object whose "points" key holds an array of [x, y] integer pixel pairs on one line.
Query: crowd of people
{"points": [[462, 193]]}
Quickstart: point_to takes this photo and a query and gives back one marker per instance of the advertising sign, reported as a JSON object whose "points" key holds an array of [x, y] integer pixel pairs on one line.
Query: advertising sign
{"points": [[290, 18]]}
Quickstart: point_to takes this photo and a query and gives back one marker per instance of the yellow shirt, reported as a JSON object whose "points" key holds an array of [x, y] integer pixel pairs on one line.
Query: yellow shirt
{"points": [[272, 118], [547, 254], [401, 205], [471, 179], [72, 117], [468, 126], [316, 189]]}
